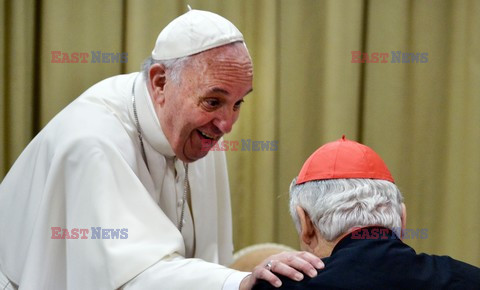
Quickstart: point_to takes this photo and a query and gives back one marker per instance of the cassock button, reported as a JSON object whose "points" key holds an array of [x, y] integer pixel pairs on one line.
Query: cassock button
{"points": [[180, 202]]}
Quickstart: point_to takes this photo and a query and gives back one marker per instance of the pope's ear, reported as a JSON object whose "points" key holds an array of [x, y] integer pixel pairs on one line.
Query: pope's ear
{"points": [[157, 80]]}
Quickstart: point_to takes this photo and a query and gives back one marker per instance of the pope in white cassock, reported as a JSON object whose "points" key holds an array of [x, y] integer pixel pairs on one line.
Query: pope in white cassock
{"points": [[130, 155]]}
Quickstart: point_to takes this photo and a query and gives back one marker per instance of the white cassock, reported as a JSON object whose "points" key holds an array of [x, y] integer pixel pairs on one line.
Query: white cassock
{"points": [[85, 169]]}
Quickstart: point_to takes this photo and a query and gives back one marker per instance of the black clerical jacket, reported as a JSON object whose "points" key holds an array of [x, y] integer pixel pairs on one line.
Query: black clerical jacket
{"points": [[374, 258]]}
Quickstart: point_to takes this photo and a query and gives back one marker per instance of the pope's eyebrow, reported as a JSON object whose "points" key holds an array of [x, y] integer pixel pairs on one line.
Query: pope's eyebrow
{"points": [[219, 91], [224, 92]]}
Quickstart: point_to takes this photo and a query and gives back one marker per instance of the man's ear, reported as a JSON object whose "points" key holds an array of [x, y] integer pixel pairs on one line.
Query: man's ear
{"points": [[404, 217], [307, 232], [157, 81]]}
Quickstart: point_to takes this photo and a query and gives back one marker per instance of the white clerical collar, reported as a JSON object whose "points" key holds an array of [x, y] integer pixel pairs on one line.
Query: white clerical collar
{"points": [[151, 129]]}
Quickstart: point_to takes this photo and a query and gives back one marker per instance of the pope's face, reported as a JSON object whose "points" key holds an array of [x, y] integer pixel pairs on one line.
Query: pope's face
{"points": [[203, 105]]}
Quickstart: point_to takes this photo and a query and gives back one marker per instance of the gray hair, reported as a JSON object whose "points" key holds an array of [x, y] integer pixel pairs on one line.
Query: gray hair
{"points": [[337, 205], [173, 67]]}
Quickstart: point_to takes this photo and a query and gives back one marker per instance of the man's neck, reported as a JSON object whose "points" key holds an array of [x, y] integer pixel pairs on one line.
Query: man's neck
{"points": [[325, 248]]}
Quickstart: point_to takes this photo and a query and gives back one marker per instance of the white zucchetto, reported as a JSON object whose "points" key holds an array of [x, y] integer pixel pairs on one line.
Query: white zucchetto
{"points": [[194, 32]]}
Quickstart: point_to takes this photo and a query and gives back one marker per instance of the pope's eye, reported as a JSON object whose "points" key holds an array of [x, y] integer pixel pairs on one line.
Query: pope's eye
{"points": [[211, 104], [238, 105]]}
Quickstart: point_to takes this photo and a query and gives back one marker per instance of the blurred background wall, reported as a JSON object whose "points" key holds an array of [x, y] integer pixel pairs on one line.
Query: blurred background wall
{"points": [[423, 118]]}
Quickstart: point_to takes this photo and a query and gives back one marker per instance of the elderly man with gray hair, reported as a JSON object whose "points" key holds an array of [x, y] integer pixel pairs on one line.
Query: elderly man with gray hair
{"points": [[349, 212]]}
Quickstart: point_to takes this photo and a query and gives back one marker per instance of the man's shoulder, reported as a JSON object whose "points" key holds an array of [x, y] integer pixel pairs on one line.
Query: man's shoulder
{"points": [[454, 271], [83, 127], [113, 84], [398, 269], [306, 283], [85, 121]]}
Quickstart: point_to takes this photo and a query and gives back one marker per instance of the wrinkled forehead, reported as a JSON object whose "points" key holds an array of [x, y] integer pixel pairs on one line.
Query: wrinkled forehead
{"points": [[230, 63], [233, 53]]}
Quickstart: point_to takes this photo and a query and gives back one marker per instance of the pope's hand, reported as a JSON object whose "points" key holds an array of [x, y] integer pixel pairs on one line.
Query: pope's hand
{"points": [[289, 264]]}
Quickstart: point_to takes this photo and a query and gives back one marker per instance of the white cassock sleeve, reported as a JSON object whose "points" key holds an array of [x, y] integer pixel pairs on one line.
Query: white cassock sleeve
{"points": [[178, 269]]}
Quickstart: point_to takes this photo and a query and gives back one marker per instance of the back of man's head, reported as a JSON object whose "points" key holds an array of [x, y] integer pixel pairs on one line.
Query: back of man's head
{"points": [[344, 185]]}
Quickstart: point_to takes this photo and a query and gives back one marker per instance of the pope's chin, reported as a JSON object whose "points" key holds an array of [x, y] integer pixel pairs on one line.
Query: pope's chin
{"points": [[192, 151], [191, 155]]}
